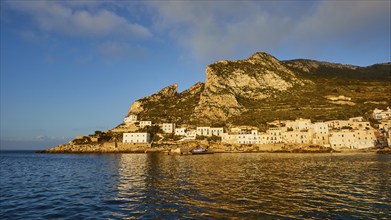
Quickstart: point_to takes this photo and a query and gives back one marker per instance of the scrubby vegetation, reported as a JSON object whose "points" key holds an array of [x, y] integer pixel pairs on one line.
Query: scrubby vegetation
{"points": [[178, 108]]}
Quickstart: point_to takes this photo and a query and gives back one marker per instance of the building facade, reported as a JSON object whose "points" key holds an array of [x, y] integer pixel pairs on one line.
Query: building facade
{"points": [[217, 131], [130, 119], [136, 138], [229, 138], [168, 128], [180, 131], [379, 114], [145, 123], [299, 124], [250, 138], [208, 131], [385, 125], [298, 137]]}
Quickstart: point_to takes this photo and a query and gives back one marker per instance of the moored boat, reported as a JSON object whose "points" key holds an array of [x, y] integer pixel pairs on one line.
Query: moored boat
{"points": [[200, 150]]}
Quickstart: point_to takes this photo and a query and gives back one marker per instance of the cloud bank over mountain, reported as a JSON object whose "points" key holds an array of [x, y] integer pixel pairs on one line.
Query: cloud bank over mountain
{"points": [[208, 31]]}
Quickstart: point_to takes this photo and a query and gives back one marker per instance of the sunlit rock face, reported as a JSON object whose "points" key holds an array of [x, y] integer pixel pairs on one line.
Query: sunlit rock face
{"points": [[166, 92], [255, 79]]}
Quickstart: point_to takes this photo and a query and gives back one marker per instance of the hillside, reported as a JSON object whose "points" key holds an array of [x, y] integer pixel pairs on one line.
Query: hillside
{"points": [[261, 88]]}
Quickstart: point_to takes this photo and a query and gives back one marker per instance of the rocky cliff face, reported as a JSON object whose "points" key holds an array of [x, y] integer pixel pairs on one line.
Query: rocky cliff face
{"points": [[313, 65], [165, 93], [168, 105], [230, 83], [261, 88]]}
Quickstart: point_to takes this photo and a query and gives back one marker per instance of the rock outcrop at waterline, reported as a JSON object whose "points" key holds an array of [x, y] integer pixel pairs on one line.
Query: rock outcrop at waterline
{"points": [[164, 147]]}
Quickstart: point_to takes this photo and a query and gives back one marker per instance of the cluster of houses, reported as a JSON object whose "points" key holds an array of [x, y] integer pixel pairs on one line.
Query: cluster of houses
{"points": [[143, 137], [167, 128], [355, 133]]}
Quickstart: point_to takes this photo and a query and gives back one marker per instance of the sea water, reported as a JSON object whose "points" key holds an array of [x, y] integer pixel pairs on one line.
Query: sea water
{"points": [[223, 186]]}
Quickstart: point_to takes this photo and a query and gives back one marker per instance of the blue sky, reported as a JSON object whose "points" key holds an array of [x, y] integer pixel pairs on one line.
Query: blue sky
{"points": [[72, 67]]}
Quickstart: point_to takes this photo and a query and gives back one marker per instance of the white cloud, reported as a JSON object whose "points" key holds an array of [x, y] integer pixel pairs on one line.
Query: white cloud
{"points": [[56, 17], [215, 30], [227, 29], [211, 30], [335, 19]]}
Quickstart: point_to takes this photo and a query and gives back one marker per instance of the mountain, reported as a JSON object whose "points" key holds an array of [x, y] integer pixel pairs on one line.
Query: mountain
{"points": [[262, 88]]}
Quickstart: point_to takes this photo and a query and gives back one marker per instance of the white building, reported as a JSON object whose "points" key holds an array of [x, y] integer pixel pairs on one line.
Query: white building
{"points": [[352, 139], [360, 125], [338, 124], [267, 138], [298, 124], [385, 125], [342, 139], [320, 127], [298, 137], [364, 138], [235, 130], [264, 138], [130, 119], [251, 138], [217, 131], [241, 138], [229, 138], [191, 135], [274, 135], [320, 133], [136, 138], [356, 119], [180, 131], [379, 114], [168, 127], [145, 123], [203, 131], [208, 131]]}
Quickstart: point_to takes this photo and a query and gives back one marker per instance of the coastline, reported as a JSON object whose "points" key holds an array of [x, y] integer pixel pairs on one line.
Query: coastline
{"points": [[214, 147]]}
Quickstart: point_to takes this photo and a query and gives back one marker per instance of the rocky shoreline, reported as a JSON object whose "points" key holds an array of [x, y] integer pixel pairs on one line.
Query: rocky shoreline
{"points": [[215, 147]]}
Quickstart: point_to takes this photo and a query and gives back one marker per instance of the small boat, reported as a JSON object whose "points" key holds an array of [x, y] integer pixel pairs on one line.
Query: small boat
{"points": [[200, 150]]}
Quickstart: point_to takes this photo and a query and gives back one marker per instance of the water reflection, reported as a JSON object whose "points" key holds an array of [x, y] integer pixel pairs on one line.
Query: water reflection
{"points": [[254, 186]]}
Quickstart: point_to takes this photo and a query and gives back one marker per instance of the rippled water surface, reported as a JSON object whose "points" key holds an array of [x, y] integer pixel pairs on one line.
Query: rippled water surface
{"points": [[263, 186]]}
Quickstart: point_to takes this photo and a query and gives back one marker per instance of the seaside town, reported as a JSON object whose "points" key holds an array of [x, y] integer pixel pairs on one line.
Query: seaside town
{"points": [[355, 133]]}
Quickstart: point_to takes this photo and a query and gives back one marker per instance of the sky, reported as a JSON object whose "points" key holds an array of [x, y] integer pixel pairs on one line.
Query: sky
{"points": [[70, 68]]}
